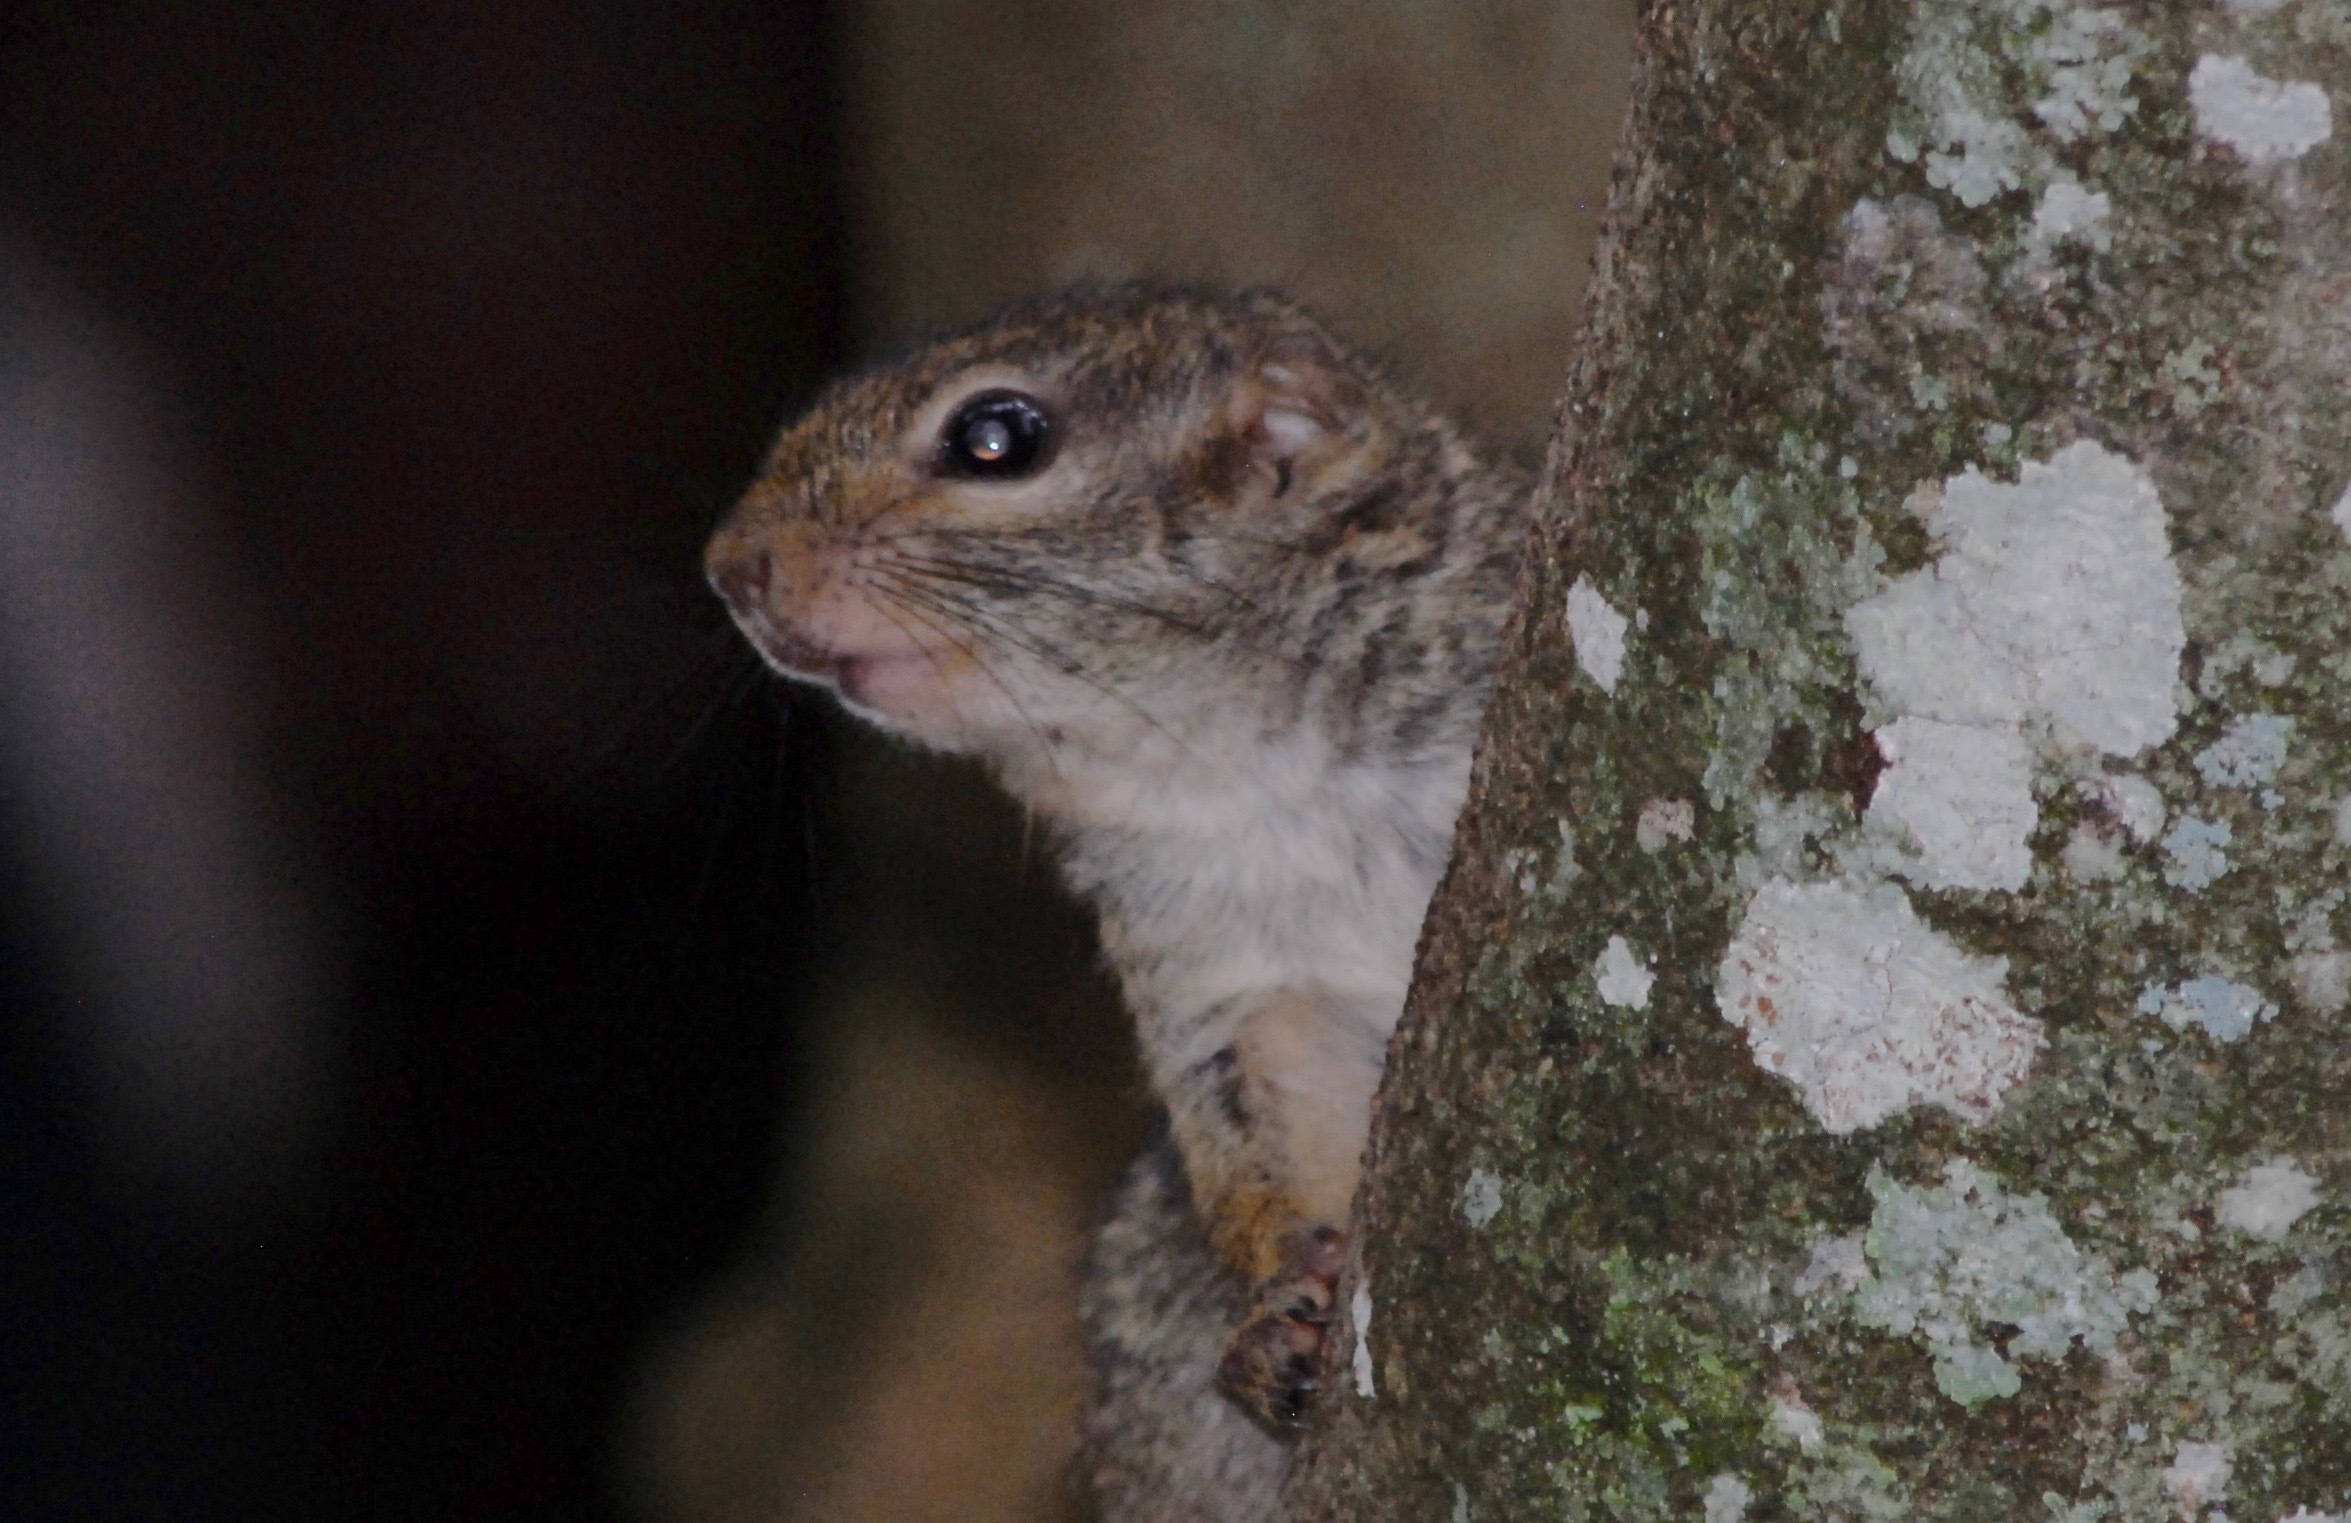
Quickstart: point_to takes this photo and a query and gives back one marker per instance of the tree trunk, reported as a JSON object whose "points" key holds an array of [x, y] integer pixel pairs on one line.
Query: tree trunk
{"points": [[1876, 1053]]}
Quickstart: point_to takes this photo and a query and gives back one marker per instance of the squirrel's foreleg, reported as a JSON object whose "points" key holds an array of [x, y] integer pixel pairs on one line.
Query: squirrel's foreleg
{"points": [[1271, 1128]]}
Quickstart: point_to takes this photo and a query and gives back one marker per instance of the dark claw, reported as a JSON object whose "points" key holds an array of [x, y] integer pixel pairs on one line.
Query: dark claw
{"points": [[1269, 1377], [1273, 1365]]}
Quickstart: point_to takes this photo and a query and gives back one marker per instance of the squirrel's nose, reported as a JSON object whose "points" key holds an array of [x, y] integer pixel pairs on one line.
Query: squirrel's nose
{"points": [[741, 577]]}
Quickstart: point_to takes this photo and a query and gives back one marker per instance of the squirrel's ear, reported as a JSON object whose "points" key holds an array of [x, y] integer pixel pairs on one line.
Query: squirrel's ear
{"points": [[1297, 422]]}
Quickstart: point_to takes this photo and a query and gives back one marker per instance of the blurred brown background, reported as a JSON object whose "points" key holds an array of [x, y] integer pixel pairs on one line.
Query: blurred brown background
{"points": [[472, 1047]]}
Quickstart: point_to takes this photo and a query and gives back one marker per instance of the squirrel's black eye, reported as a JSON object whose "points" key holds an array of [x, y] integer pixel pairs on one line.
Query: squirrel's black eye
{"points": [[997, 435]]}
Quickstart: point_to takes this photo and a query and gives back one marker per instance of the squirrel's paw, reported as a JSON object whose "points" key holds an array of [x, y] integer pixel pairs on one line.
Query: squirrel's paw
{"points": [[1272, 1365]]}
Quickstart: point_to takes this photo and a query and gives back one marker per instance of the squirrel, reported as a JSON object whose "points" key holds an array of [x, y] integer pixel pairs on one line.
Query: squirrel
{"points": [[1220, 603]]}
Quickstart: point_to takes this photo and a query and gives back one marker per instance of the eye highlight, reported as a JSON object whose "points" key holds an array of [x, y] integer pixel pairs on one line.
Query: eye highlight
{"points": [[996, 436]]}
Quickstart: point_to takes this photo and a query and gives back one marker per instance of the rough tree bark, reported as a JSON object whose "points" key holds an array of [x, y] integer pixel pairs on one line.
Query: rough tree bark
{"points": [[1879, 1051]]}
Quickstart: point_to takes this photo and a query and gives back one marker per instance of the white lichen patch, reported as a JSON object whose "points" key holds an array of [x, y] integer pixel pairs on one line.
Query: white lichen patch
{"points": [[2198, 1476], [1793, 1419], [1958, 103], [1481, 1197], [2265, 663], [2131, 802], [2268, 1200], [2195, 381], [2313, 930], [1838, 1264], [1978, 156], [1521, 866], [1621, 977], [2053, 598], [2226, 1010], [2341, 513], [2119, 805], [2086, 57], [1359, 1312], [2249, 754], [1964, 795], [1844, 992], [1664, 820], [2322, 980], [1787, 830], [2067, 212], [2267, 121], [2196, 849], [1848, 1482], [2091, 854], [1726, 1499], [1599, 634], [1952, 1260], [1565, 869]]}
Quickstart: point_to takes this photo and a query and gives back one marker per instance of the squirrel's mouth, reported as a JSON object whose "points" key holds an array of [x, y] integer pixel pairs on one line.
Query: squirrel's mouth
{"points": [[810, 622], [793, 656]]}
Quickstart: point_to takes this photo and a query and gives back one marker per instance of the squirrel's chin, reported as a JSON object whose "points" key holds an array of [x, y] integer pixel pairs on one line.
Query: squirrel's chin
{"points": [[906, 694], [890, 684]]}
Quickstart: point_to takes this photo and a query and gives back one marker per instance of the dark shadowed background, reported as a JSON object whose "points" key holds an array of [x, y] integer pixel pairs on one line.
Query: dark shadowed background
{"points": [[470, 1046]]}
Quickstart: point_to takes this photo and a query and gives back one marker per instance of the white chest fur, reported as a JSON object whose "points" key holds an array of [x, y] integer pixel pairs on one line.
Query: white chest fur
{"points": [[1278, 867]]}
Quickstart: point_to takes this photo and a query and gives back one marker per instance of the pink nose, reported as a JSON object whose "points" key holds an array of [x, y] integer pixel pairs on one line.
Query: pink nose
{"points": [[741, 578]]}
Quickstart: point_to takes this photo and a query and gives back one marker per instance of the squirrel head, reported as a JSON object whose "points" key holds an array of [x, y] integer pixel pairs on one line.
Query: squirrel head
{"points": [[1088, 520]]}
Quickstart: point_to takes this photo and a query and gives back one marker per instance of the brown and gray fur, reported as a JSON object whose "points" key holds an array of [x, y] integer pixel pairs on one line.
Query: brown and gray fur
{"points": [[1231, 641]]}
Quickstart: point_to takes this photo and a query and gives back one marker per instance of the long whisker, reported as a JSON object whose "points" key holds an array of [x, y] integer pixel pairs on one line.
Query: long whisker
{"points": [[1006, 578], [1009, 579], [995, 536], [721, 657], [898, 596], [771, 850], [964, 611], [1012, 581], [735, 688]]}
